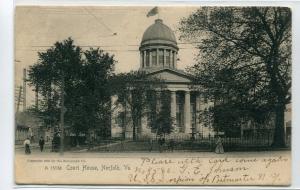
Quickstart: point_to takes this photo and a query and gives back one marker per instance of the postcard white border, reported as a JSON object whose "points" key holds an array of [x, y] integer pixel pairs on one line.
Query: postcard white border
{"points": [[7, 84]]}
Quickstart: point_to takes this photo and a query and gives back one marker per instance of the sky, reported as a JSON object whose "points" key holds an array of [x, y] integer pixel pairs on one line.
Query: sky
{"points": [[37, 28]]}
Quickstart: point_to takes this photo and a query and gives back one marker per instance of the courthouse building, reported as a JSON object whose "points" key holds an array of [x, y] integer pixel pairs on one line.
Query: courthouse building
{"points": [[158, 58]]}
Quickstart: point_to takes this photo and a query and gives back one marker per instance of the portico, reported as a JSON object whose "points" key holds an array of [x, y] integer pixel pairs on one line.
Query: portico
{"points": [[158, 59], [183, 110]]}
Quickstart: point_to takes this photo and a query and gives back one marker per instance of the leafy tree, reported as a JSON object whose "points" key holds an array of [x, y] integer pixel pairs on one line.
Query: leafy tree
{"points": [[160, 112], [244, 60], [85, 78], [60, 62], [132, 90], [90, 99]]}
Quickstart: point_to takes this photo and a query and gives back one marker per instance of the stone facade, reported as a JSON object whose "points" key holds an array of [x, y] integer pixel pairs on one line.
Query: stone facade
{"points": [[158, 58]]}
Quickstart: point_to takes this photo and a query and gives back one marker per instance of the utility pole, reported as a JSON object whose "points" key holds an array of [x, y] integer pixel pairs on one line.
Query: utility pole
{"points": [[62, 113], [24, 89], [19, 98]]}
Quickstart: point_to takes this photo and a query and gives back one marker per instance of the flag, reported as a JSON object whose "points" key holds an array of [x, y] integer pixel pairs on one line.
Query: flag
{"points": [[153, 12]]}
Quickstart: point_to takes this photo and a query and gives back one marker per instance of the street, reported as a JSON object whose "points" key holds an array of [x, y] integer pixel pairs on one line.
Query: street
{"points": [[35, 152]]}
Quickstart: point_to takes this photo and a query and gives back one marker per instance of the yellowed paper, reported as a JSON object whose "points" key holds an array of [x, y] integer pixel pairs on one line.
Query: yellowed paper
{"points": [[182, 147], [165, 169]]}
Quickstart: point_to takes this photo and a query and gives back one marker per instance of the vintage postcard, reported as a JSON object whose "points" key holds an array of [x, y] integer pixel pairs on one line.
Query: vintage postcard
{"points": [[153, 95]]}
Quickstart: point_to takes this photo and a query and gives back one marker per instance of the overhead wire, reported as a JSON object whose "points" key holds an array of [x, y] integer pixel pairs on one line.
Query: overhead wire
{"points": [[101, 23]]}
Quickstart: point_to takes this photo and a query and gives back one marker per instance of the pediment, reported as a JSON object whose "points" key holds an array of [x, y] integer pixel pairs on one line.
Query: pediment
{"points": [[169, 75]]}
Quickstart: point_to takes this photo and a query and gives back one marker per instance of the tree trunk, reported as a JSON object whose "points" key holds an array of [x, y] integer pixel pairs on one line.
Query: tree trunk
{"points": [[134, 123], [77, 139], [279, 133]]}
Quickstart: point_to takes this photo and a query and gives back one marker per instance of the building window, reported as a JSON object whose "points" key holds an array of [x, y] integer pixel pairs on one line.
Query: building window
{"points": [[168, 60], [161, 57], [143, 60], [147, 58], [153, 54], [180, 118], [173, 58], [180, 112]]}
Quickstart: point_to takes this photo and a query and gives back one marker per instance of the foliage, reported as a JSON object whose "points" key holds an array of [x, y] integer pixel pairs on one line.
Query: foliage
{"points": [[136, 93], [86, 86], [244, 61], [160, 112]]}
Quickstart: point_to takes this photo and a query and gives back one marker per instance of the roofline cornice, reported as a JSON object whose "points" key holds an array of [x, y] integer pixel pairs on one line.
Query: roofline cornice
{"points": [[173, 71]]}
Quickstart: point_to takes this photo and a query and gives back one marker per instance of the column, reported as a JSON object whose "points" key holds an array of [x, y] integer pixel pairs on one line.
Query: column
{"points": [[173, 110], [165, 60], [141, 59], [128, 125], [150, 58], [187, 113], [171, 59], [157, 58], [144, 129], [198, 104], [145, 52]]}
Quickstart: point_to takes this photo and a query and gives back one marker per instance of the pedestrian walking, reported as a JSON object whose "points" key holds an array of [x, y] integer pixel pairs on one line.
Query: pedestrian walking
{"points": [[219, 148], [27, 146], [41, 143], [150, 144], [161, 142]]}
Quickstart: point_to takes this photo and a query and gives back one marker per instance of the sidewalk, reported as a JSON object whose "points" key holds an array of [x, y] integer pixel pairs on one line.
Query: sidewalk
{"points": [[32, 145], [96, 147]]}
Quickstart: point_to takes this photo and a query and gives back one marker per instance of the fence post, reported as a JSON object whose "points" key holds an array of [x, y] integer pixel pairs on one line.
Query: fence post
{"points": [[268, 138]]}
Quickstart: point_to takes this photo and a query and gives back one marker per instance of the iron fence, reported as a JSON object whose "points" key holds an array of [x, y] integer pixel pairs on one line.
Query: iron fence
{"points": [[252, 143]]}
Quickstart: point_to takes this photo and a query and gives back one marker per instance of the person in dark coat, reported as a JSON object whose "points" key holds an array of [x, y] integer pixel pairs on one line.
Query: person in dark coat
{"points": [[150, 144], [41, 143], [219, 148], [161, 142]]}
